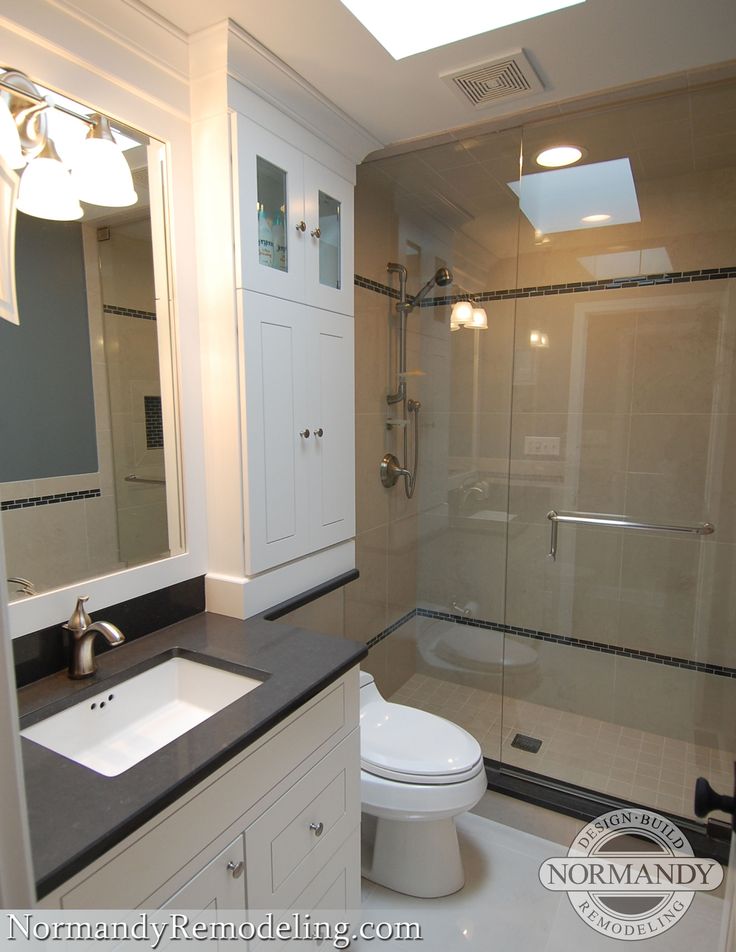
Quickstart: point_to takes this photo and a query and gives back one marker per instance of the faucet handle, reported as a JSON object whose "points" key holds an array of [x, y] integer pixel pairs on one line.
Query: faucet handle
{"points": [[79, 619]]}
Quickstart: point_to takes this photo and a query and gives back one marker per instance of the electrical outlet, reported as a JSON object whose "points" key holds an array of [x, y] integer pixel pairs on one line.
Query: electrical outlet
{"points": [[541, 446]]}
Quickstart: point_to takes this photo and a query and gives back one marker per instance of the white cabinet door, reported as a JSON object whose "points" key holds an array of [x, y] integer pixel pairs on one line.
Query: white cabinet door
{"points": [[300, 430], [328, 212], [279, 443], [220, 885], [332, 496], [269, 211]]}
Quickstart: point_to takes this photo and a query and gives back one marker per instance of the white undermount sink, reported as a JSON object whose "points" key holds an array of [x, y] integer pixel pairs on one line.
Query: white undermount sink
{"points": [[116, 728]]}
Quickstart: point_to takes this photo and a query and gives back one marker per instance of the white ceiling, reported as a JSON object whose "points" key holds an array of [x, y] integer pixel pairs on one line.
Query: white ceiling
{"points": [[594, 46]]}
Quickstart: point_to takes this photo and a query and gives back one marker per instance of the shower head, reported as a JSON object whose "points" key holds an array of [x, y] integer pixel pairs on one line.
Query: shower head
{"points": [[442, 277]]}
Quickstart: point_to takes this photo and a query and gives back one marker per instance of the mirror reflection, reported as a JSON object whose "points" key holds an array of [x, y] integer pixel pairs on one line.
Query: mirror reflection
{"points": [[85, 428]]}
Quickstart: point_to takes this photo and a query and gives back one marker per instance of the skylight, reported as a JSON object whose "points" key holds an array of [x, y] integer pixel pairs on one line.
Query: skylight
{"points": [[413, 26], [582, 196]]}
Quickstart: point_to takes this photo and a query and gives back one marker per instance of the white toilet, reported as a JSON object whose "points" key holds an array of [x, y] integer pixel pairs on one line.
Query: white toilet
{"points": [[418, 772]]}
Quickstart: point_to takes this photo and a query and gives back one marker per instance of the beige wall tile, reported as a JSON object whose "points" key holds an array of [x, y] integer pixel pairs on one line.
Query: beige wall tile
{"points": [[366, 598], [658, 587], [371, 496], [325, 615], [402, 568]]}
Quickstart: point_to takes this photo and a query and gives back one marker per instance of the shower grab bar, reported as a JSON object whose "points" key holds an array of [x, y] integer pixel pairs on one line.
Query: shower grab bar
{"points": [[132, 478], [582, 519]]}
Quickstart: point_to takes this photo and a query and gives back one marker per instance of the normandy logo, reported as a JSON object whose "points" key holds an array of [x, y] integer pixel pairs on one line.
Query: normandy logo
{"points": [[630, 874]]}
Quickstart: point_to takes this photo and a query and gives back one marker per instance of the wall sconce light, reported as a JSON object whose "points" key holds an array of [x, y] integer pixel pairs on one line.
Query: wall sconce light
{"points": [[100, 175], [468, 314], [538, 339]]}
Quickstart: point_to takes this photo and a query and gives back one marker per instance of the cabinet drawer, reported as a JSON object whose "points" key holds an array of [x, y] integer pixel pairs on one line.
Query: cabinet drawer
{"points": [[332, 897], [290, 842], [220, 885]]}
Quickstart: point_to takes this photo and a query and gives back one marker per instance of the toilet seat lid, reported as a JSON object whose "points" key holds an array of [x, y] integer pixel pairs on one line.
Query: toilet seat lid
{"points": [[406, 744]]}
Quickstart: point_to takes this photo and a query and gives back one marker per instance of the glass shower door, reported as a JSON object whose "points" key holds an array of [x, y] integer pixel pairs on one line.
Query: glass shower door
{"points": [[624, 393]]}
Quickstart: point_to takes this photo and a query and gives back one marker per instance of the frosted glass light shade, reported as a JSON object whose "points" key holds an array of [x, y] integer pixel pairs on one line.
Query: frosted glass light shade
{"points": [[10, 148], [46, 189], [479, 319], [462, 312], [101, 175]]}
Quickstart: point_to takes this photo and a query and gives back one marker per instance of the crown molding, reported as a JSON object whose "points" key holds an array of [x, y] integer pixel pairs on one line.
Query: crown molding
{"points": [[260, 70]]}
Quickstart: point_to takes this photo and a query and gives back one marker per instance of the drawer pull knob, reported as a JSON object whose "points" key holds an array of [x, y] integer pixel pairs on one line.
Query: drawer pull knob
{"points": [[301, 226], [319, 431], [304, 433], [236, 868], [316, 233], [318, 828]]}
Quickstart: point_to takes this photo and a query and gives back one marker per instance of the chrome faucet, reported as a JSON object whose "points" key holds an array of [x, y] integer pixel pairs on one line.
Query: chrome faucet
{"points": [[83, 631]]}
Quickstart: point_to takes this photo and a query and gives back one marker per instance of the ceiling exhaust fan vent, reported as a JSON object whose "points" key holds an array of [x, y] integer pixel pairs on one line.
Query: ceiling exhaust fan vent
{"points": [[486, 83]]}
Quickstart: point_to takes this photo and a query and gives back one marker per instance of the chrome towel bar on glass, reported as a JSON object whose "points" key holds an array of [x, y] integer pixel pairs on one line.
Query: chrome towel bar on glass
{"points": [[586, 519]]}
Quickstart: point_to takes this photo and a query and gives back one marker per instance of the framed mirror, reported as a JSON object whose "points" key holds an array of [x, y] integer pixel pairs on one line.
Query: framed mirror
{"points": [[89, 434]]}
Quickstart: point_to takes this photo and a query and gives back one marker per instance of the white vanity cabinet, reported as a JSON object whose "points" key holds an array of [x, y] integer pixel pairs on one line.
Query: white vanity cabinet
{"points": [[275, 828], [294, 221], [299, 441]]}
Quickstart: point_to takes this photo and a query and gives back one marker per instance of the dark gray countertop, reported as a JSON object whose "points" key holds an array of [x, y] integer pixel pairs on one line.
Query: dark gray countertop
{"points": [[75, 814]]}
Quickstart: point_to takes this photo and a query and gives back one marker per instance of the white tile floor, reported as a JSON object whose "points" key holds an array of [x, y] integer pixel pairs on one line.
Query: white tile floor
{"points": [[655, 771], [503, 906]]}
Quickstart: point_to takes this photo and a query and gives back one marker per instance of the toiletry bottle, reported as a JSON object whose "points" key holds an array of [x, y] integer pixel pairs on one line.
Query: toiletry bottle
{"points": [[265, 239], [279, 244]]}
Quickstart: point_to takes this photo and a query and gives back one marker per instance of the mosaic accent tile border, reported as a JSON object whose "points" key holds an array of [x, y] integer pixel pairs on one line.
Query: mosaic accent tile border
{"points": [[635, 653], [370, 285], [572, 287], [33, 501], [391, 628], [569, 641], [129, 312]]}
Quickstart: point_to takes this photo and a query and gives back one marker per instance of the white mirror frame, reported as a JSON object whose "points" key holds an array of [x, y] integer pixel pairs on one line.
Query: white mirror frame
{"points": [[8, 195], [146, 95]]}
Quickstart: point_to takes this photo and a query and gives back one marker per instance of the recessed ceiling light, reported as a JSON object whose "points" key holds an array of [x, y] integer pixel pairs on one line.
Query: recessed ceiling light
{"points": [[559, 156], [414, 26], [594, 219]]}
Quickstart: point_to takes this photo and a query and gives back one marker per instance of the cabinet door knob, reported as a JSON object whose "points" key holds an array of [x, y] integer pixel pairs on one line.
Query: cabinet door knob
{"points": [[317, 828], [316, 232], [304, 433], [319, 431], [301, 226], [236, 868]]}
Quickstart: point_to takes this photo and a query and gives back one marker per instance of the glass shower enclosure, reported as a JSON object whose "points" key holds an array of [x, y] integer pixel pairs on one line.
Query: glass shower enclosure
{"points": [[576, 519]]}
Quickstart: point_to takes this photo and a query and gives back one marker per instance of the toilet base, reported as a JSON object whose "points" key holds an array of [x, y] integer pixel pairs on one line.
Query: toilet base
{"points": [[416, 857]]}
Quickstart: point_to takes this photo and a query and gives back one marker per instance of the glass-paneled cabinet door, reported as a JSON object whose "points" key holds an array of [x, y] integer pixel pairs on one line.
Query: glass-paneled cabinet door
{"points": [[328, 207], [269, 198]]}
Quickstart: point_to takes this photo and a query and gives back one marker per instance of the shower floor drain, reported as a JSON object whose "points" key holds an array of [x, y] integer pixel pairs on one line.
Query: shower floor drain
{"points": [[530, 744]]}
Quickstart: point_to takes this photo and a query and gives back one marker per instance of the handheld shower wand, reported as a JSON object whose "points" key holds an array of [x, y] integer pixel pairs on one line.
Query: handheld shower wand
{"points": [[391, 469]]}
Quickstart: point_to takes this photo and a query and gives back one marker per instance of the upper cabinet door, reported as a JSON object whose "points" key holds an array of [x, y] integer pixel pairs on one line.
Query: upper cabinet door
{"points": [[270, 228], [328, 212]]}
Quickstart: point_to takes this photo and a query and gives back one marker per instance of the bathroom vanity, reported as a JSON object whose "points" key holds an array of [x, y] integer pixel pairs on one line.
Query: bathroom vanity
{"points": [[257, 807]]}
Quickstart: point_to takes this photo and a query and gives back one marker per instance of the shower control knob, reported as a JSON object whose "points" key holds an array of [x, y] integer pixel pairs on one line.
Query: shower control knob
{"points": [[304, 433], [316, 233], [319, 431], [301, 226]]}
